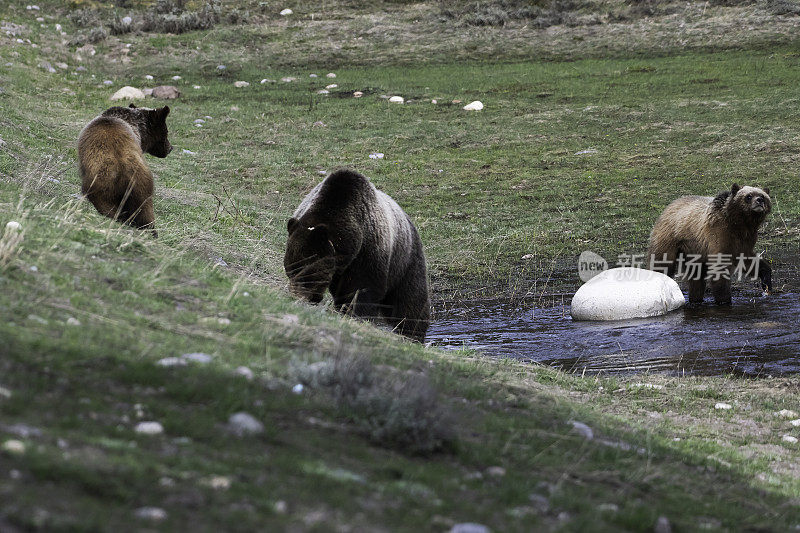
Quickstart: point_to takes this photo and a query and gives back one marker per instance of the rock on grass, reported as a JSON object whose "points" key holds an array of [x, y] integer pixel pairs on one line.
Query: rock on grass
{"points": [[241, 424]]}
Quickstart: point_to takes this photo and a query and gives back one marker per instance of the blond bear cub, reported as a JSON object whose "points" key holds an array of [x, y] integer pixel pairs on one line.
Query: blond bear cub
{"points": [[699, 228]]}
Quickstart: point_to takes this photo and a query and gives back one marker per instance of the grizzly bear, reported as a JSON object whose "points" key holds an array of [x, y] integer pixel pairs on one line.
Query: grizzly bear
{"points": [[354, 240], [697, 228], [114, 174]]}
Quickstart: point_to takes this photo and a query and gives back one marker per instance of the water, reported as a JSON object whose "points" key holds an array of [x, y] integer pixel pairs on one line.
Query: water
{"points": [[755, 336]]}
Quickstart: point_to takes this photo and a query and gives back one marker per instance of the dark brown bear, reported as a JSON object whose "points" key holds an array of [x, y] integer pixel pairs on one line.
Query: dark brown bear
{"points": [[703, 226], [352, 239], [114, 174]]}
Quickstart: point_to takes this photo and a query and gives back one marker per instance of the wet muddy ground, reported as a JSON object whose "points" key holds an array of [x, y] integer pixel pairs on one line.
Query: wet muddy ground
{"points": [[756, 336]]}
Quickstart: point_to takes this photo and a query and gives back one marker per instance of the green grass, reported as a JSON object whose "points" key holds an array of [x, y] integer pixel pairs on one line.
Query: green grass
{"points": [[484, 189]]}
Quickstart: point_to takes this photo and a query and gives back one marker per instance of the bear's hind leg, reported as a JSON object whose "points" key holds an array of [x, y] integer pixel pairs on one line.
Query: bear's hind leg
{"points": [[697, 289], [721, 290], [407, 308]]}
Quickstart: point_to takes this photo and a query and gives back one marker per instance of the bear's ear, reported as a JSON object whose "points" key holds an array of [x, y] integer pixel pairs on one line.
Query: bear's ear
{"points": [[163, 112], [291, 224], [766, 190], [132, 106], [734, 189]]}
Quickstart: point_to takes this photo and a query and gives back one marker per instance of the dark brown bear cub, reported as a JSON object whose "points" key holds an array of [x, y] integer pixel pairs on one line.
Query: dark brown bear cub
{"points": [[114, 174], [699, 228], [354, 240]]}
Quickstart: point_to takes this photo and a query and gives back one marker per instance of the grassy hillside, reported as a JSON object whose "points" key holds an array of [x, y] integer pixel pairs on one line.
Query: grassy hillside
{"points": [[580, 145]]}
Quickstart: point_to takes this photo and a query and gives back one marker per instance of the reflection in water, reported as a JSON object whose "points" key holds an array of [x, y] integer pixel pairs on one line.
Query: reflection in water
{"points": [[755, 336]]}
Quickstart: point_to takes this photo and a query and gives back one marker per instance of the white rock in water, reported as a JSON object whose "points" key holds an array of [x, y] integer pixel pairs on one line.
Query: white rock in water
{"points": [[473, 106], [625, 292], [286, 12], [149, 428], [396, 99], [241, 84], [128, 93]]}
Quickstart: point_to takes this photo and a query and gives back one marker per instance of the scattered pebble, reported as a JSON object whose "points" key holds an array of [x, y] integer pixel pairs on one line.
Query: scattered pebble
{"points": [[331, 86], [313, 76], [149, 428], [47, 66], [795, 423], [608, 507], [376, 155], [199, 121], [148, 77], [323, 91], [244, 372], [197, 357], [155, 514], [188, 152], [80, 68], [723, 405], [266, 80], [469, 527], [176, 78], [434, 101], [286, 12], [196, 87], [72, 321], [127, 20], [13, 226], [396, 99], [789, 439], [108, 82], [13, 446], [320, 124], [281, 507], [298, 389], [221, 67], [62, 66], [496, 471], [528, 256], [171, 361], [241, 84], [32, 8], [786, 413], [234, 108], [473, 106], [582, 429], [648, 386], [662, 525], [330, 75], [5, 393], [217, 482], [588, 151], [358, 94], [288, 79], [241, 424]]}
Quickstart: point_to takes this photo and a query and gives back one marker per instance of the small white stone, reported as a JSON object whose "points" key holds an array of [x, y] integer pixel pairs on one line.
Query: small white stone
{"points": [[298, 389], [588, 151], [244, 372], [330, 75], [217, 482], [795, 423], [72, 321], [469, 527], [288, 79], [241, 84], [127, 20], [148, 77], [331, 86], [222, 321], [108, 82], [234, 108], [396, 99], [196, 87], [176, 78], [5, 393], [171, 361], [528, 256], [786, 413], [496, 471], [244, 424], [323, 91], [473, 106], [155, 514], [376, 155], [286, 12], [313, 76], [149, 428], [265, 80], [14, 446], [582, 429], [358, 94], [434, 101], [197, 357], [789, 439], [188, 152], [13, 226], [648, 386], [221, 67], [199, 121], [723, 406], [58, 27], [281, 507]]}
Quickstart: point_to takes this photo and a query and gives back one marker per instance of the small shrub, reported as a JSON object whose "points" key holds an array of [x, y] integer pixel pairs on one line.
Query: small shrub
{"points": [[393, 409], [97, 34], [540, 14], [85, 18], [784, 7]]}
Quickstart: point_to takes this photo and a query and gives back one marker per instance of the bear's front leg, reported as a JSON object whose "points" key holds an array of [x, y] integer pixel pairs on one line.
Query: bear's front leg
{"points": [[721, 290], [697, 289]]}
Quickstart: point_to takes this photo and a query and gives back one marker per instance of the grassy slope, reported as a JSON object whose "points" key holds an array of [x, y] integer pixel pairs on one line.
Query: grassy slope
{"points": [[727, 116]]}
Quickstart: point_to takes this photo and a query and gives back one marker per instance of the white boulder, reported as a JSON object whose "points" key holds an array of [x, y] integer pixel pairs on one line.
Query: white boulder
{"points": [[625, 292], [128, 93]]}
